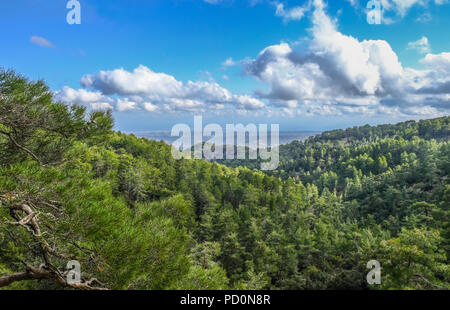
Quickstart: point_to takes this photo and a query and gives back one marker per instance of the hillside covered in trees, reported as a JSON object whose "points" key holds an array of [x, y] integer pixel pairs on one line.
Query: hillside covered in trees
{"points": [[135, 218]]}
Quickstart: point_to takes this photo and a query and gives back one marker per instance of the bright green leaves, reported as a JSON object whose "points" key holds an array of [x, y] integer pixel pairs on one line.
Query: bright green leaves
{"points": [[33, 126], [414, 260]]}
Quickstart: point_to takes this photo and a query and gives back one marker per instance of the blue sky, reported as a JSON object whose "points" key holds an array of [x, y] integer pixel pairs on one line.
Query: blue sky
{"points": [[307, 65]]}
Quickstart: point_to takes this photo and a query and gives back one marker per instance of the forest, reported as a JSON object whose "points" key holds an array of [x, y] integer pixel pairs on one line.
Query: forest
{"points": [[73, 189]]}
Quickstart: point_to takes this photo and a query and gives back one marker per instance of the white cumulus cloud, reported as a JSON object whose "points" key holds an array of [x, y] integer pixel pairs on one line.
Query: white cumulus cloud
{"points": [[341, 74], [147, 90], [94, 100]]}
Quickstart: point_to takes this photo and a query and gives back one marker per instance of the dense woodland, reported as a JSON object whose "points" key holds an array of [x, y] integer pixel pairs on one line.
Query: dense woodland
{"points": [[135, 218]]}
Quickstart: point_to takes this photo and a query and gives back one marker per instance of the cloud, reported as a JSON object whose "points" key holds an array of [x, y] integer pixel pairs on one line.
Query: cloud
{"points": [[144, 89], [142, 81], [422, 45], [395, 10], [424, 18], [341, 74], [229, 62], [401, 7], [246, 102], [93, 100], [437, 62], [126, 105], [295, 13], [41, 41], [334, 64], [148, 106], [436, 78]]}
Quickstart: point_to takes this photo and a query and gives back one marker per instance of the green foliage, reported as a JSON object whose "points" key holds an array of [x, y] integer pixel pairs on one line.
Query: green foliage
{"points": [[386, 178], [32, 125], [414, 260]]}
